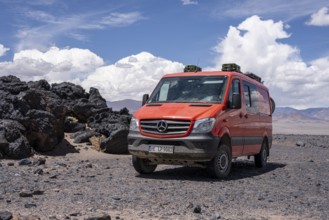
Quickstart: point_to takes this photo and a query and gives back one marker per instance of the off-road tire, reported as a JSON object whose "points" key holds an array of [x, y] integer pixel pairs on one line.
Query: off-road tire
{"points": [[220, 166], [261, 157], [143, 166]]}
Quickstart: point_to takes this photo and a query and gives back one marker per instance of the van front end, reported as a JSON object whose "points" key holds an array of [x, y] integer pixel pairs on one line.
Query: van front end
{"points": [[176, 142]]}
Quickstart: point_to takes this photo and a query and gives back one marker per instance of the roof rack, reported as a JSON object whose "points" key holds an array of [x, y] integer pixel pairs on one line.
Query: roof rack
{"points": [[253, 76]]}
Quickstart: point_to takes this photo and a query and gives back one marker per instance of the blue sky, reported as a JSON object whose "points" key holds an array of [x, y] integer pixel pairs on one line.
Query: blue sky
{"points": [[179, 31]]}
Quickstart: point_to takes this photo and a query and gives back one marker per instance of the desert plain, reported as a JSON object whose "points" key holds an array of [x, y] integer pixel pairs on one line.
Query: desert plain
{"points": [[75, 181]]}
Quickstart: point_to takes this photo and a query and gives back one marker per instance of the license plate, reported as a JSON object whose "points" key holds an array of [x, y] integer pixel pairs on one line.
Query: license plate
{"points": [[161, 149]]}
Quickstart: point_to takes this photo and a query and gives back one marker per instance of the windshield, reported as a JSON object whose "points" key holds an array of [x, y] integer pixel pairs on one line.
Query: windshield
{"points": [[190, 89]]}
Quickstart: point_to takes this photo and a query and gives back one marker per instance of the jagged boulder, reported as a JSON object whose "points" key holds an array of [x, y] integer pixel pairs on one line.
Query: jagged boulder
{"points": [[117, 142], [12, 84], [13, 143], [68, 91], [83, 109], [34, 99], [40, 85], [86, 108], [114, 127], [79, 104], [44, 130], [11, 107], [84, 136], [72, 125], [96, 98], [104, 118]]}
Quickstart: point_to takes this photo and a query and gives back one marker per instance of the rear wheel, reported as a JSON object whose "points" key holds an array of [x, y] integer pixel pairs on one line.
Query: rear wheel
{"points": [[261, 157], [220, 165], [143, 166]]}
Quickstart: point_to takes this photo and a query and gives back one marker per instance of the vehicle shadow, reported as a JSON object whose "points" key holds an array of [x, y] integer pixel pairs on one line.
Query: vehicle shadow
{"points": [[240, 170]]}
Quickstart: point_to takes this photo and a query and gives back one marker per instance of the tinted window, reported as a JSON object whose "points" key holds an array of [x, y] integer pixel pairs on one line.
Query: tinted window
{"points": [[190, 89], [246, 93], [251, 97], [235, 89], [264, 105]]}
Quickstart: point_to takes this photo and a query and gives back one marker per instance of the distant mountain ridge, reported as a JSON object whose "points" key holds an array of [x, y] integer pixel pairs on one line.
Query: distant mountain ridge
{"points": [[279, 114], [306, 114], [130, 104]]}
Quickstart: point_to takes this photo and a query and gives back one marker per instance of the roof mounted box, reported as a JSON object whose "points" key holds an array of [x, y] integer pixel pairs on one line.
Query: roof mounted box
{"points": [[192, 68], [231, 67]]}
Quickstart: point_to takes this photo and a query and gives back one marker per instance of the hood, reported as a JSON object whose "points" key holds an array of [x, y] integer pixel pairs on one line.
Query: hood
{"points": [[186, 111]]}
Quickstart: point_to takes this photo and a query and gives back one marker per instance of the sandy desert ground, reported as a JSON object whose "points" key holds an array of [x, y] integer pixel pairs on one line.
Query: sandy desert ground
{"points": [[77, 182], [311, 127]]}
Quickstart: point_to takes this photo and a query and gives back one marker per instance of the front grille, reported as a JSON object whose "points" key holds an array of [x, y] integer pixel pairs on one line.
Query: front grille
{"points": [[173, 126]]}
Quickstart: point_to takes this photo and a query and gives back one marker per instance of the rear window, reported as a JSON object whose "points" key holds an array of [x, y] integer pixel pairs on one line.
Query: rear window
{"points": [[264, 103], [256, 99]]}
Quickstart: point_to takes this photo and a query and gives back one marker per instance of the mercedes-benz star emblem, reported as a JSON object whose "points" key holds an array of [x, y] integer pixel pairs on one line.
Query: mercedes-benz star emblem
{"points": [[162, 126]]}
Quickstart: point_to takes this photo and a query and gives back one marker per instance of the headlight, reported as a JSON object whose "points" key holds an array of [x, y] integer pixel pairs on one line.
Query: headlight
{"points": [[203, 125], [134, 124]]}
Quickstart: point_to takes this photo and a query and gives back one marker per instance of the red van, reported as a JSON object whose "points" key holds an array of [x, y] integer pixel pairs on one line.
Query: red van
{"points": [[203, 119]]}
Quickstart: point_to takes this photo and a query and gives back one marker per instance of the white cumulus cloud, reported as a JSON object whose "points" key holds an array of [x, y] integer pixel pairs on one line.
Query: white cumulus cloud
{"points": [[255, 46], [3, 50], [320, 18], [54, 65], [131, 77], [128, 78]]}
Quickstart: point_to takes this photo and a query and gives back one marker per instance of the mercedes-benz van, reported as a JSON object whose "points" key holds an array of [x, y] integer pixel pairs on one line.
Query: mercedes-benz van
{"points": [[203, 119]]}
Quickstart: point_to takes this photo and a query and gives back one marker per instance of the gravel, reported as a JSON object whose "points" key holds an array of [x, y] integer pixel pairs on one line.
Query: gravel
{"points": [[92, 185]]}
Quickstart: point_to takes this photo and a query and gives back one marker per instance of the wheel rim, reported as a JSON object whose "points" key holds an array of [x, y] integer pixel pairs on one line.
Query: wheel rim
{"points": [[223, 162]]}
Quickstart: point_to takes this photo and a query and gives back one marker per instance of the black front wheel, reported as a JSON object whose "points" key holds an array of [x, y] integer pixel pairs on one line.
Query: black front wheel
{"points": [[220, 165], [143, 166]]}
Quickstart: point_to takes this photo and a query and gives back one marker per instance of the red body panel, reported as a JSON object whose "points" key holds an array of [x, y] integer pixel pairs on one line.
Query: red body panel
{"points": [[247, 130]]}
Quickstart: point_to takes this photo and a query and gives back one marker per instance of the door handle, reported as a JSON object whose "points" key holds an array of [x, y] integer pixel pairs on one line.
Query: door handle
{"points": [[246, 115], [241, 115]]}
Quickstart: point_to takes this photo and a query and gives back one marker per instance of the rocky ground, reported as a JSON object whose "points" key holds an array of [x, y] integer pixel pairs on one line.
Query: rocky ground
{"points": [[77, 182]]}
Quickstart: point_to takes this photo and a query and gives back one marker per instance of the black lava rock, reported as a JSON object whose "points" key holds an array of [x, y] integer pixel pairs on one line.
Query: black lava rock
{"points": [[84, 136], [44, 130], [35, 115], [105, 217], [14, 143], [197, 209], [73, 125], [5, 215], [300, 144], [41, 85], [96, 98], [117, 142], [24, 162]]}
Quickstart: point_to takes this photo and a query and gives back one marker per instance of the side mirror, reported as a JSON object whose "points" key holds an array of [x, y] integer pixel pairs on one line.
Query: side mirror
{"points": [[145, 98], [272, 104], [236, 101]]}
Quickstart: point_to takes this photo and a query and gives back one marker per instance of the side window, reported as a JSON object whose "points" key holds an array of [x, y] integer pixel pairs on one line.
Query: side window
{"points": [[235, 89], [251, 97], [247, 99], [264, 102]]}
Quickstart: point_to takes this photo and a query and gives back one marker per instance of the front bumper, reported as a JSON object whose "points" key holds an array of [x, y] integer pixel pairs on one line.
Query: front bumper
{"points": [[187, 150]]}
